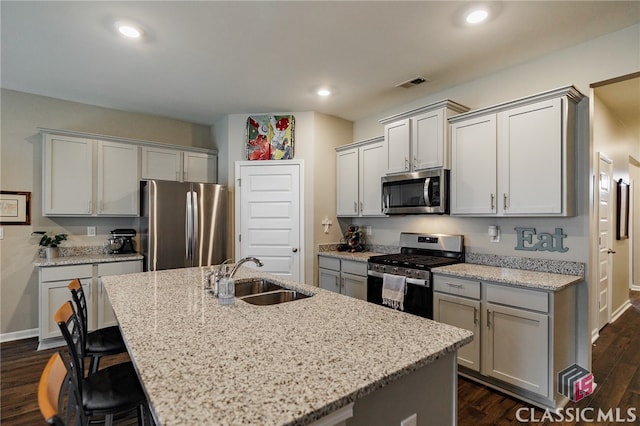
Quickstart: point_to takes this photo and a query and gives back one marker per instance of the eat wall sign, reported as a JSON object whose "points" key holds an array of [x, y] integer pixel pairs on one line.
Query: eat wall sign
{"points": [[529, 240]]}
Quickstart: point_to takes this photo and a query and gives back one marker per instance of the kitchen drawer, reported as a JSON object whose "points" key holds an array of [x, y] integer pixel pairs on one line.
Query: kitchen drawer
{"points": [[355, 268], [457, 286], [119, 268], [59, 273], [329, 263], [518, 297]]}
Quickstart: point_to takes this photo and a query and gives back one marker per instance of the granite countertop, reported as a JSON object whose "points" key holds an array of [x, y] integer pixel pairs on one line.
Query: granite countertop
{"points": [[92, 258], [361, 256], [517, 277], [292, 363]]}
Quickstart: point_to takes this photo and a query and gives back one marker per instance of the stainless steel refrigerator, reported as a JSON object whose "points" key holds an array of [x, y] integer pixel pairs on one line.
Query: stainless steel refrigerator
{"points": [[183, 224]]}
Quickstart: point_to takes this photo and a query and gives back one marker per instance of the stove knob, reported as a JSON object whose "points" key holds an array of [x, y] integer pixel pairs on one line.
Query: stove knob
{"points": [[395, 270], [384, 268]]}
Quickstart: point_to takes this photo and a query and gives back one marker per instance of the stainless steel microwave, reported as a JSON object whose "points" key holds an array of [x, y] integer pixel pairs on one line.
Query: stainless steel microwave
{"points": [[425, 192]]}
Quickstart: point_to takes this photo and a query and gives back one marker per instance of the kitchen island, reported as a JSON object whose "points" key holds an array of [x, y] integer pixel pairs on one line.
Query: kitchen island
{"points": [[293, 363]]}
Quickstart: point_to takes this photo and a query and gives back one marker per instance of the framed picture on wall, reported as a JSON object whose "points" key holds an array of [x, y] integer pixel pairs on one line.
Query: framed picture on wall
{"points": [[15, 208], [270, 137], [622, 210]]}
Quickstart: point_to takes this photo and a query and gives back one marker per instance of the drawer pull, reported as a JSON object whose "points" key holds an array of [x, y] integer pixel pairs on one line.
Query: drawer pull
{"points": [[460, 286]]}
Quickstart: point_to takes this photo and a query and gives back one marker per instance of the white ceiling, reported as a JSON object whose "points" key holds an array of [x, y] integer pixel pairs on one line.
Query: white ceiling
{"points": [[202, 60]]}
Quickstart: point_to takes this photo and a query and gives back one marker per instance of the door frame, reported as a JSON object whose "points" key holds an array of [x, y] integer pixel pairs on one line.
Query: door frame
{"points": [[238, 204]]}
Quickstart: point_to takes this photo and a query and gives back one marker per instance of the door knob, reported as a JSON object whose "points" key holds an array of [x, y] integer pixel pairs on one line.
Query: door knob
{"points": [[295, 250]]}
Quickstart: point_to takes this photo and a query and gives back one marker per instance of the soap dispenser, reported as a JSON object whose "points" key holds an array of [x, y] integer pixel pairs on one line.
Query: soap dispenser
{"points": [[226, 290]]}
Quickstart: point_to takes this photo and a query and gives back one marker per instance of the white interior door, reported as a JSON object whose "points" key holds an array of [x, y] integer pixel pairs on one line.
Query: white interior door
{"points": [[269, 222], [605, 171]]}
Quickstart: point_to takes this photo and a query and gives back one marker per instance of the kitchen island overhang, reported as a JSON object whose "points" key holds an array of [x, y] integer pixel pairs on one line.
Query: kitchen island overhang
{"points": [[291, 363]]}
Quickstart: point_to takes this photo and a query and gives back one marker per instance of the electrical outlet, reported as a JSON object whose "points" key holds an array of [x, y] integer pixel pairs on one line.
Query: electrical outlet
{"points": [[412, 420], [369, 230], [91, 231]]}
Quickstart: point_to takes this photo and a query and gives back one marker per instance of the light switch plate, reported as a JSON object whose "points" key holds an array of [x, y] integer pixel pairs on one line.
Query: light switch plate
{"points": [[91, 231]]}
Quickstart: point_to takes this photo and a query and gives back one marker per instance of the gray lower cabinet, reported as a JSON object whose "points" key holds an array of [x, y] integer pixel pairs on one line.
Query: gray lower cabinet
{"points": [[522, 337], [54, 292], [348, 277]]}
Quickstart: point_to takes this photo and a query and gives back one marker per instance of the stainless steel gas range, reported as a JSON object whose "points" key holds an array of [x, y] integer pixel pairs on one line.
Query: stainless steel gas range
{"points": [[418, 254]]}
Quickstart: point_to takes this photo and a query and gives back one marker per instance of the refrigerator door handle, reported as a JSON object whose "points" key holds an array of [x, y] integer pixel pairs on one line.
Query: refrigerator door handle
{"points": [[188, 226], [194, 226]]}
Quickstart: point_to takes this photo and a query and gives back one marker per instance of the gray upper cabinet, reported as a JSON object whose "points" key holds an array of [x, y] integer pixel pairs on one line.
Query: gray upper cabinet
{"points": [[516, 158], [95, 175], [419, 139]]}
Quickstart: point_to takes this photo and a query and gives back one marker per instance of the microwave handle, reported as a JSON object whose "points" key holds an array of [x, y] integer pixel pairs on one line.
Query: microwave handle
{"points": [[427, 199]]}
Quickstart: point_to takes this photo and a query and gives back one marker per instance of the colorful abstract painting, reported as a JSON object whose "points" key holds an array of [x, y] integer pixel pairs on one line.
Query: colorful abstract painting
{"points": [[270, 137]]}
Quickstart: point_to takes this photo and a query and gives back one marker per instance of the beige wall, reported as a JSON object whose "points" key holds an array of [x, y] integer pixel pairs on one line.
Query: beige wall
{"points": [[21, 165]]}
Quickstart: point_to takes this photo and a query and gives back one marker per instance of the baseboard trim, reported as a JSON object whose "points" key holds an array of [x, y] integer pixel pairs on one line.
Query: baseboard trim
{"points": [[595, 333], [18, 335], [618, 312]]}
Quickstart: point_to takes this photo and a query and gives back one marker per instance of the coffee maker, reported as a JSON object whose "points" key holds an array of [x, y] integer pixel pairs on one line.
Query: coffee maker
{"points": [[121, 241]]}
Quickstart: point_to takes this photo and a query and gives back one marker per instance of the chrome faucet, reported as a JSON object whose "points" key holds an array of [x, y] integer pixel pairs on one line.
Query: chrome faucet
{"points": [[243, 260]]}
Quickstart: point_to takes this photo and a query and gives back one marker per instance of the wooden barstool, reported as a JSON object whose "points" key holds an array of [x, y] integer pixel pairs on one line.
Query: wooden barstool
{"points": [[50, 389]]}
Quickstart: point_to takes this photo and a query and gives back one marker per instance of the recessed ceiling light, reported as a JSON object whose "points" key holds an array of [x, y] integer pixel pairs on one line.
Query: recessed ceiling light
{"points": [[128, 30], [323, 92], [477, 16]]}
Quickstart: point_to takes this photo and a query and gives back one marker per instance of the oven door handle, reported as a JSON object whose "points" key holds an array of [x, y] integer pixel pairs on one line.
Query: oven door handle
{"points": [[412, 281]]}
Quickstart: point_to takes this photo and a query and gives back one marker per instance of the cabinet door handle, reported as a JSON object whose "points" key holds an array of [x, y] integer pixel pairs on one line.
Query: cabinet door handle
{"points": [[355, 206], [415, 162], [89, 206], [493, 201], [488, 318], [406, 163], [475, 316], [504, 201], [361, 207]]}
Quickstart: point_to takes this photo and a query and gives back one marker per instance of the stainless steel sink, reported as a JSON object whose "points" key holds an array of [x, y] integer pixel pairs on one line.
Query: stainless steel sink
{"points": [[274, 297], [259, 291], [247, 287]]}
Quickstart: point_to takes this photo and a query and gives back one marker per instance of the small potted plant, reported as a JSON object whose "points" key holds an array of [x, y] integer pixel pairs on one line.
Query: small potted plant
{"points": [[50, 244]]}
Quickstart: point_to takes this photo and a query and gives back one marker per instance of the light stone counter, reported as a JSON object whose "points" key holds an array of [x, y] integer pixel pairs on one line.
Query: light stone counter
{"points": [[92, 258], [516, 277], [292, 363], [362, 256]]}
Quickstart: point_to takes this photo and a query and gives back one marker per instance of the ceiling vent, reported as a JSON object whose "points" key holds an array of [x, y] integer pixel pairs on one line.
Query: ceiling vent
{"points": [[413, 82]]}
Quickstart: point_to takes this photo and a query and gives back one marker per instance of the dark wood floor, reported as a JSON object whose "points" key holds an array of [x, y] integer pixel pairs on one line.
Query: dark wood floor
{"points": [[616, 368]]}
